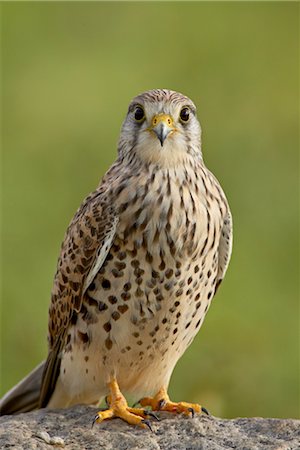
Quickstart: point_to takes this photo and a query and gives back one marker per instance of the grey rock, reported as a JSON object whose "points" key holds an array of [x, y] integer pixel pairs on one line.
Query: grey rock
{"points": [[71, 429]]}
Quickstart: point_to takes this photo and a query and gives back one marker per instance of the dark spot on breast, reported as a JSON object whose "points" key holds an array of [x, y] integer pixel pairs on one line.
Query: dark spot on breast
{"points": [[115, 315], [83, 337], [135, 263], [121, 256], [139, 292], [127, 287], [122, 308], [169, 273], [120, 265], [162, 265], [106, 284], [172, 247], [133, 252], [138, 272], [197, 297], [108, 343], [149, 258], [116, 273], [112, 299], [155, 274], [107, 327], [168, 286], [125, 296]]}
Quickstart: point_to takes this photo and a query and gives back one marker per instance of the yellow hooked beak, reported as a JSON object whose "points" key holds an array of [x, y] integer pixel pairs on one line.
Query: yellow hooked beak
{"points": [[162, 125]]}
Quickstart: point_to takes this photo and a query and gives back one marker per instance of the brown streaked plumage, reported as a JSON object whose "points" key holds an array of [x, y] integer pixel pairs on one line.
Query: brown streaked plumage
{"points": [[139, 266]]}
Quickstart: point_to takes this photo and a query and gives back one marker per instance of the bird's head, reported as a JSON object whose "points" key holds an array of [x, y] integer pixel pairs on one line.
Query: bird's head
{"points": [[161, 127]]}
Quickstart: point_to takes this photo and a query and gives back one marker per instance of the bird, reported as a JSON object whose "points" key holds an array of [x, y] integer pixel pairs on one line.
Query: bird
{"points": [[140, 263]]}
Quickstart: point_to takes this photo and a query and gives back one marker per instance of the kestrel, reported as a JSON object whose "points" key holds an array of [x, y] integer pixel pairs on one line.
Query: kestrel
{"points": [[139, 266]]}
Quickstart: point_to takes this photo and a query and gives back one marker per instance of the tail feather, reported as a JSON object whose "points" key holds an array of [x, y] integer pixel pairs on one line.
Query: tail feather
{"points": [[25, 395]]}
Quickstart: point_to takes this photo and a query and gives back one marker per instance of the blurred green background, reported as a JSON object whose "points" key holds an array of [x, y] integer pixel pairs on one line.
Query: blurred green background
{"points": [[69, 71]]}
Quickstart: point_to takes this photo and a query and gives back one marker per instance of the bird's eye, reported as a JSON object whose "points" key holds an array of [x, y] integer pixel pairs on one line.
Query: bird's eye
{"points": [[185, 114], [139, 114]]}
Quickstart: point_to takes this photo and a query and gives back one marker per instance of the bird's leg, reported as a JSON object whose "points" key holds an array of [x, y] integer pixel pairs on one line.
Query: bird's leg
{"points": [[118, 407], [162, 402]]}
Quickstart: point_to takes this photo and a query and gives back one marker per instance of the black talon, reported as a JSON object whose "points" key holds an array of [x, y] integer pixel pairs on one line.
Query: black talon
{"points": [[151, 414], [146, 422], [95, 419], [161, 404], [205, 410], [192, 411]]}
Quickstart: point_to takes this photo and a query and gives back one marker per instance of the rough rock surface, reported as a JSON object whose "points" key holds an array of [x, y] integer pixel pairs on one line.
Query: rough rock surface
{"points": [[71, 429]]}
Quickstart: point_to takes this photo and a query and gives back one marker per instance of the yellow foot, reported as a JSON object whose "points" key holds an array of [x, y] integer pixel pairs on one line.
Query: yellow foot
{"points": [[118, 407], [162, 402]]}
